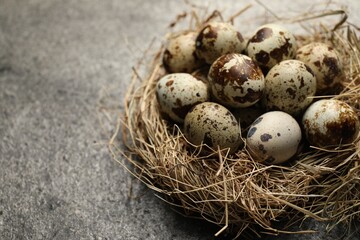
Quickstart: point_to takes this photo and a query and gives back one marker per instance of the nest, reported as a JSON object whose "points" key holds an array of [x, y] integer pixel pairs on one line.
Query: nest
{"points": [[234, 191]]}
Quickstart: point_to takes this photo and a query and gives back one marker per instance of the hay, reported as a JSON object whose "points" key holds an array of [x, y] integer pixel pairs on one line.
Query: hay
{"points": [[234, 191]]}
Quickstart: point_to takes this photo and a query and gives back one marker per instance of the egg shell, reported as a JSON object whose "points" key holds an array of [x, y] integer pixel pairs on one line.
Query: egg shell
{"points": [[271, 44], [177, 93], [217, 39], [330, 122], [289, 87], [214, 125], [236, 80], [325, 62], [179, 55], [273, 138]]}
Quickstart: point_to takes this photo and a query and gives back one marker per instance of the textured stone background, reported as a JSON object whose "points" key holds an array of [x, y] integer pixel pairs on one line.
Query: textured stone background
{"points": [[57, 180]]}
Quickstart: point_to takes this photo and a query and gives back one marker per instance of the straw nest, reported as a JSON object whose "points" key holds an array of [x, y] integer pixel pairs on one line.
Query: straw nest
{"points": [[234, 191]]}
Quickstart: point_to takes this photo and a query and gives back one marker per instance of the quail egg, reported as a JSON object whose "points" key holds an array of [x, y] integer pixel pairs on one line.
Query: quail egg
{"points": [[271, 44], [217, 39], [214, 125], [273, 138], [236, 81], [176, 93], [289, 87], [330, 122], [325, 62], [179, 55]]}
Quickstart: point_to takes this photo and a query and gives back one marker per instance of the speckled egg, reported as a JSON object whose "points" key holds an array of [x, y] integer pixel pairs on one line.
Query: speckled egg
{"points": [[214, 125], [330, 122], [177, 93], [179, 55], [325, 62], [289, 87], [217, 39], [271, 44], [236, 80], [273, 138]]}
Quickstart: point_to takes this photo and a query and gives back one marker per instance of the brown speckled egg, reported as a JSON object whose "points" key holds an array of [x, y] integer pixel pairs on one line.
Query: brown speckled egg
{"points": [[236, 81], [273, 138], [177, 93], [289, 87], [325, 63], [271, 44], [330, 122], [214, 125], [217, 39], [179, 55]]}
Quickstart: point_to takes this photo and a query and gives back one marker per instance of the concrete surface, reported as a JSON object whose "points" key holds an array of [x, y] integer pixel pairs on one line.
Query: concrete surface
{"points": [[57, 180]]}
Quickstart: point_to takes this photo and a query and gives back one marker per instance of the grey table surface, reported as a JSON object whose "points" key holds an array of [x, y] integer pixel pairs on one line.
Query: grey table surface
{"points": [[57, 179]]}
